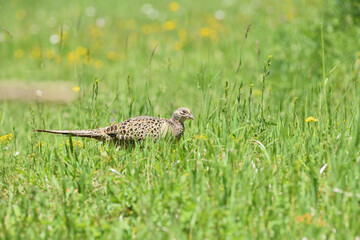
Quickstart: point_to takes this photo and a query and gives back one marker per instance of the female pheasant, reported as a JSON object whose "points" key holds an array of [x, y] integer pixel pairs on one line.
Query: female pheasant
{"points": [[135, 129]]}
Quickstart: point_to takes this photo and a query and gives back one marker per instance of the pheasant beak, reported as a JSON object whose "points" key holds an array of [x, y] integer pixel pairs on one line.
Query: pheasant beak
{"points": [[190, 116]]}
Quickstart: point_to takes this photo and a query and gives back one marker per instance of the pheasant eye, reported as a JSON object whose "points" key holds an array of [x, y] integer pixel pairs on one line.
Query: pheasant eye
{"points": [[183, 112]]}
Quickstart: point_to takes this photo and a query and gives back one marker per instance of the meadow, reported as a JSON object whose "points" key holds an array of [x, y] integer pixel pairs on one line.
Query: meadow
{"points": [[273, 152]]}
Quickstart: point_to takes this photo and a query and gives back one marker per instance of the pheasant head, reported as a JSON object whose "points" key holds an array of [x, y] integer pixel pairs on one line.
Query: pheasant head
{"points": [[182, 114]]}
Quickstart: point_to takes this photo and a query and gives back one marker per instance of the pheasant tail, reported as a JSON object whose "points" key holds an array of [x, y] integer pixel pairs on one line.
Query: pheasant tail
{"points": [[91, 133]]}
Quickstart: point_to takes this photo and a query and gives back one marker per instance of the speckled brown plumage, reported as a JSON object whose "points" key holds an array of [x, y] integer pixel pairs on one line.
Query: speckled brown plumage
{"points": [[136, 129]]}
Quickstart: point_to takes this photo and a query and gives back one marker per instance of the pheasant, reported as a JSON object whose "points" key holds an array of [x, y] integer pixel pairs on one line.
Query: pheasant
{"points": [[135, 129]]}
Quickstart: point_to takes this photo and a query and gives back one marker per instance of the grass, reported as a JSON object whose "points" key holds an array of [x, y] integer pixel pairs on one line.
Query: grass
{"points": [[253, 165]]}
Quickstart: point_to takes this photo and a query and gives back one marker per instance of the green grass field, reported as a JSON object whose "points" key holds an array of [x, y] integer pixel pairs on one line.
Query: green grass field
{"points": [[274, 151]]}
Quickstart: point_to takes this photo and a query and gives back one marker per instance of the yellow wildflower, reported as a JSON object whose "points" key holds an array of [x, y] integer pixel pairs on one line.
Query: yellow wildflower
{"points": [[169, 25], [20, 14], [39, 144], [174, 6], [103, 150], [304, 218], [76, 89], [204, 32], [200, 137], [19, 53], [76, 55], [81, 50], [307, 218], [72, 57], [311, 119], [76, 143], [295, 99], [5, 140], [208, 32]]}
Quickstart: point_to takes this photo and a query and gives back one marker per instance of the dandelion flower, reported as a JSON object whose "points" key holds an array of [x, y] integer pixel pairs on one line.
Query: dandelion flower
{"points": [[169, 25], [82, 50], [54, 39], [76, 89], [219, 15], [311, 119], [204, 32], [72, 57], [100, 22], [174, 6], [90, 11]]}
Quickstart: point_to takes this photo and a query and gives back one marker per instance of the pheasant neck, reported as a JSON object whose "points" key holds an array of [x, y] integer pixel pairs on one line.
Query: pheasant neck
{"points": [[177, 122]]}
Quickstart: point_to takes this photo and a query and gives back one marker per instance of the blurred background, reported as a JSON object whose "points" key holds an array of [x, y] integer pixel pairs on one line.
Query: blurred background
{"points": [[167, 52]]}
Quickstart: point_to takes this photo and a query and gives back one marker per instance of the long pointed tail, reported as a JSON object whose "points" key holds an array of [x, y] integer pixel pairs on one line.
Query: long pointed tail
{"points": [[91, 133]]}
